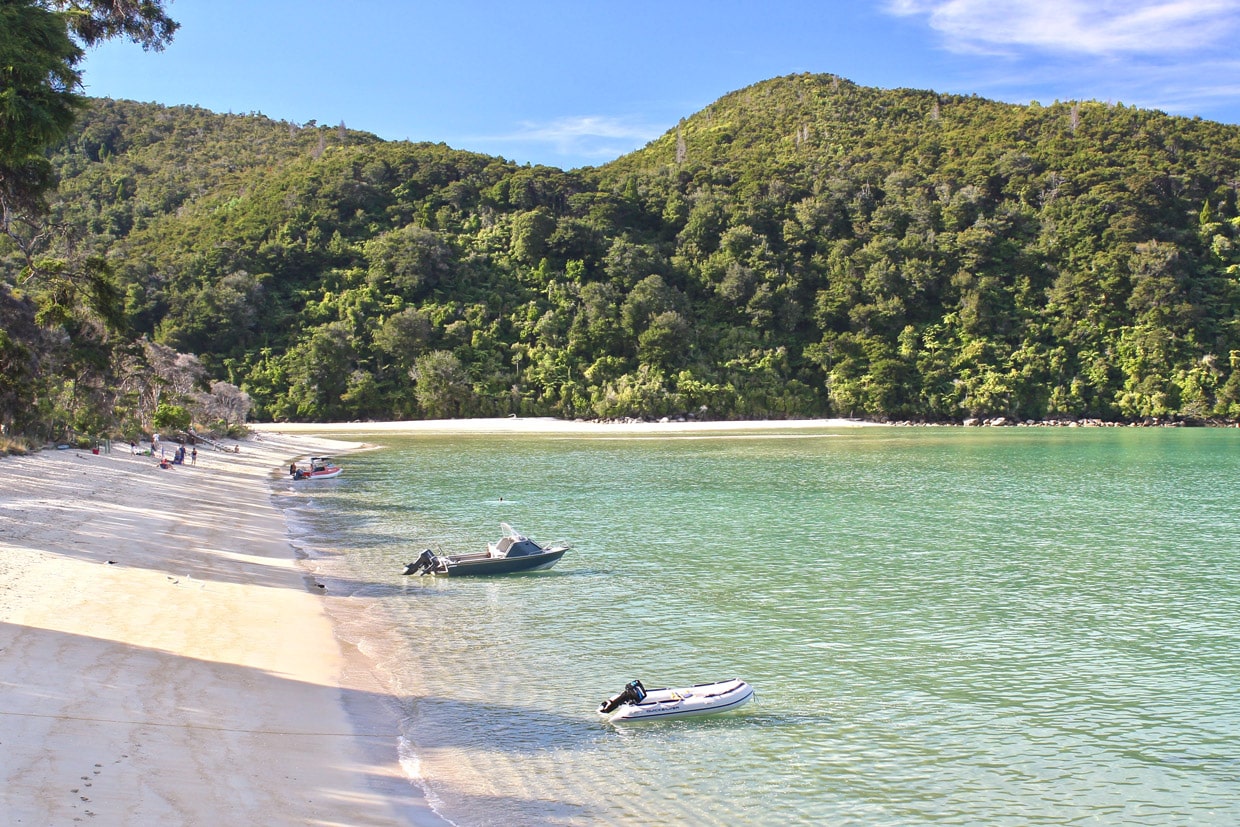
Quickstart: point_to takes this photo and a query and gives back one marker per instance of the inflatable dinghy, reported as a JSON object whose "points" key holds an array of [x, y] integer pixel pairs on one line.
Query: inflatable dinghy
{"points": [[636, 703]]}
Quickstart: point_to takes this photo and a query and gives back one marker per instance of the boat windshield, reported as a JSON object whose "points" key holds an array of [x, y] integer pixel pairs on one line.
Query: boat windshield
{"points": [[523, 547], [514, 544]]}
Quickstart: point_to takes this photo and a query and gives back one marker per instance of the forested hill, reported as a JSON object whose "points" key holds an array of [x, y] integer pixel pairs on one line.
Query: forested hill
{"points": [[801, 247]]}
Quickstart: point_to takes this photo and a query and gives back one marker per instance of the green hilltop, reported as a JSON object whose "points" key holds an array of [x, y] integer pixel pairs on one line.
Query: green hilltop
{"points": [[801, 247]]}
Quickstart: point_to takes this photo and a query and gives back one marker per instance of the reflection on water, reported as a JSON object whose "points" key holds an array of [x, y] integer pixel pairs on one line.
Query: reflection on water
{"points": [[943, 626]]}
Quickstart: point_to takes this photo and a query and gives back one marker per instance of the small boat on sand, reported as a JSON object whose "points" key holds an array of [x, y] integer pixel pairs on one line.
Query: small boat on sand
{"points": [[512, 553], [636, 703], [319, 468]]}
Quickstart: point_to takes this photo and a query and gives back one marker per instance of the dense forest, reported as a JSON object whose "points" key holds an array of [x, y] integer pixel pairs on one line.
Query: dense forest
{"points": [[802, 247]]}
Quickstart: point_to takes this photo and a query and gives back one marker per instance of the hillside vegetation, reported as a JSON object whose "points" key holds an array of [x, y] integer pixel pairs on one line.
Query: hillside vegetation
{"points": [[802, 247]]}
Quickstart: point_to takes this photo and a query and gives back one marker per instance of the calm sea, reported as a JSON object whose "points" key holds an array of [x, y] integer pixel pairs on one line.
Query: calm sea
{"points": [[943, 626]]}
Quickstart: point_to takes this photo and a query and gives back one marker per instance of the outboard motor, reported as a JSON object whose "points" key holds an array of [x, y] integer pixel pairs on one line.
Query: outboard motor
{"points": [[634, 693], [424, 563]]}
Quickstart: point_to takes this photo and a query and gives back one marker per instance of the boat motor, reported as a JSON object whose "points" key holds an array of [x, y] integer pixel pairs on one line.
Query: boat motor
{"points": [[634, 693], [424, 563]]}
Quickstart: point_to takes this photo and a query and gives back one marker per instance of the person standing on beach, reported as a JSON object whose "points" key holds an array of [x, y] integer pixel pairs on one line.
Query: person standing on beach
{"points": [[154, 443], [193, 456]]}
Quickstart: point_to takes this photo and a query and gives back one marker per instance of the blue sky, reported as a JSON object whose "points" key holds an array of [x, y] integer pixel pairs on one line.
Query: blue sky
{"points": [[580, 83]]}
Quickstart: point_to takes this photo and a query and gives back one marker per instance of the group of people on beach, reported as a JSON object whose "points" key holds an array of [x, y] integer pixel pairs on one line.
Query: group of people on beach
{"points": [[178, 456]]}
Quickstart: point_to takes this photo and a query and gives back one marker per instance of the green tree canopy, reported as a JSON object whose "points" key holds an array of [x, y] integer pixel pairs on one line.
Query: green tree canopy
{"points": [[802, 247]]}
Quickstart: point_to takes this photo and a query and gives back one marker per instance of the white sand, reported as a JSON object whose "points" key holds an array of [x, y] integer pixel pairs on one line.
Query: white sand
{"points": [[164, 660], [547, 425]]}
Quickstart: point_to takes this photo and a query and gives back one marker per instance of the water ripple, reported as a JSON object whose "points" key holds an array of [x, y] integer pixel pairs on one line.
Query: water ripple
{"points": [[945, 627]]}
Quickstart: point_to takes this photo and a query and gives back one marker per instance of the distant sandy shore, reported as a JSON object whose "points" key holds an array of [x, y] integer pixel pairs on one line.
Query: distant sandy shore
{"points": [[548, 425], [164, 659]]}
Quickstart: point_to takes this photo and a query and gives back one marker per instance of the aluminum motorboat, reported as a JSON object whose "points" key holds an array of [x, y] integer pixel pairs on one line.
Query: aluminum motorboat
{"points": [[512, 553]]}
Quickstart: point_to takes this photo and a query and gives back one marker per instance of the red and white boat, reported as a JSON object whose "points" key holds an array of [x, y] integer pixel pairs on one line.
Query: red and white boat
{"points": [[319, 468]]}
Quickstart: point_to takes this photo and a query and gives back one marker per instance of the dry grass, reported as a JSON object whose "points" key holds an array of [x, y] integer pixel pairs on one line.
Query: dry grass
{"points": [[16, 446]]}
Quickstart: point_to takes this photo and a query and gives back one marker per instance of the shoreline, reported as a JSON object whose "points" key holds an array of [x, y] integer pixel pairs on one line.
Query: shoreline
{"points": [[168, 655], [630, 427], [551, 426], [167, 658]]}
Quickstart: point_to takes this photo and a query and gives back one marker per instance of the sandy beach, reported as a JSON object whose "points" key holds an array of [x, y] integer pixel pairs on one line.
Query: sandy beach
{"points": [[164, 659]]}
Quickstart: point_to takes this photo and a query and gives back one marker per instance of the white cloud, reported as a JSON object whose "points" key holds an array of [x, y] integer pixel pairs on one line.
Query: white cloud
{"points": [[576, 128], [1087, 27], [585, 138], [1174, 55]]}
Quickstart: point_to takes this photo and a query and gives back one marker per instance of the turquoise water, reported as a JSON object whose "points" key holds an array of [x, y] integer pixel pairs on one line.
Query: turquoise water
{"points": [[944, 626]]}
